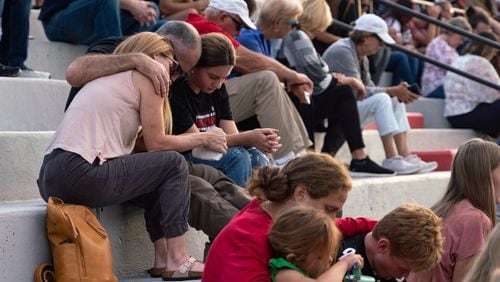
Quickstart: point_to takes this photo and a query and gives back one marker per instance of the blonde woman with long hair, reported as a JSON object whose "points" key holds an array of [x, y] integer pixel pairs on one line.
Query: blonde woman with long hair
{"points": [[467, 210], [89, 160]]}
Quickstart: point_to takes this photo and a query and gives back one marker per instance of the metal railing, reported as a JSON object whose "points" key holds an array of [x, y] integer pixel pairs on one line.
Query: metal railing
{"points": [[439, 23], [422, 57]]}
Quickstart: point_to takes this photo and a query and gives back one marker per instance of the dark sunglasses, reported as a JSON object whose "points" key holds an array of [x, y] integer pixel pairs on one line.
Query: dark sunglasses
{"points": [[239, 24]]}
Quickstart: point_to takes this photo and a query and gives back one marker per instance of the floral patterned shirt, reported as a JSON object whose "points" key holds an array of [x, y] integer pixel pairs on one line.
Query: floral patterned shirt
{"points": [[433, 76], [462, 94]]}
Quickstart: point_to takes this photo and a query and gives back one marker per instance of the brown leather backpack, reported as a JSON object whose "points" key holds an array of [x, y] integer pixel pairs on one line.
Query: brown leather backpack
{"points": [[80, 245]]}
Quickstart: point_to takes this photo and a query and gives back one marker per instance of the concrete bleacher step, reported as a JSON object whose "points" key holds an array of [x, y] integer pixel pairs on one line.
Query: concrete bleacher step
{"points": [[36, 26], [444, 158], [132, 251], [53, 57], [32, 104], [416, 120], [432, 109], [424, 139], [23, 152], [25, 243], [20, 161], [48, 56]]}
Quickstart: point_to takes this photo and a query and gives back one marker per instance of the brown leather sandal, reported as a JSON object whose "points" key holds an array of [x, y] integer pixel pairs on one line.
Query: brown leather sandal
{"points": [[183, 273], [156, 271]]}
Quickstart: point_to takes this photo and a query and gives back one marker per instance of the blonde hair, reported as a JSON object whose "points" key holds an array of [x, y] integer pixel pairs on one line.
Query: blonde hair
{"points": [[320, 173], [471, 178], [414, 235], [278, 10], [487, 260], [303, 230], [150, 44], [317, 16]]}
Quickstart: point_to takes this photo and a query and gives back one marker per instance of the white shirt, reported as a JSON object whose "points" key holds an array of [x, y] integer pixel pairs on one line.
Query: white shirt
{"points": [[463, 95]]}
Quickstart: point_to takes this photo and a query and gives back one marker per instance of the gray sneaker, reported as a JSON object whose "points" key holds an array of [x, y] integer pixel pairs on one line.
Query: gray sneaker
{"points": [[424, 166], [29, 73], [400, 166]]}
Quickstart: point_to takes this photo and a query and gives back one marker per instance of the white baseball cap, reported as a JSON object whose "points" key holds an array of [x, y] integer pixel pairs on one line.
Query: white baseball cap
{"points": [[237, 7], [375, 24]]}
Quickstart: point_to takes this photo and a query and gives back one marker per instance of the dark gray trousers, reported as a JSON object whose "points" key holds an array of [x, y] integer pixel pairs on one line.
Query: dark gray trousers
{"points": [[215, 199], [156, 181]]}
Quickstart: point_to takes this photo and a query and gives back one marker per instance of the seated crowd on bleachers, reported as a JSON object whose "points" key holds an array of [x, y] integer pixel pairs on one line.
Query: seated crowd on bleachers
{"points": [[204, 114]]}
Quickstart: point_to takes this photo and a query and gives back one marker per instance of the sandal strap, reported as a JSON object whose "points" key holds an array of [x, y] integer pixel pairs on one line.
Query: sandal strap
{"points": [[186, 266]]}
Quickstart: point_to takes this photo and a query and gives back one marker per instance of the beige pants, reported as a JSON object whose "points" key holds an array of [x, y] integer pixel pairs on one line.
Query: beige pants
{"points": [[261, 94]]}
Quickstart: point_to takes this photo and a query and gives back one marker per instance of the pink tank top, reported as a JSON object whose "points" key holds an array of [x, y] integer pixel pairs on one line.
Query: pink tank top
{"points": [[102, 121]]}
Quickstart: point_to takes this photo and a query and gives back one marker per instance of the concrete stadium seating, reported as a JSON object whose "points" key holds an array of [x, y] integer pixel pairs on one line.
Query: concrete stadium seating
{"points": [[22, 212], [432, 109], [31, 110], [31, 104], [44, 55]]}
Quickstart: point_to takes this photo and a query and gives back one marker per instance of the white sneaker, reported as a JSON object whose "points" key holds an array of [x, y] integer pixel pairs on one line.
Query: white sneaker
{"points": [[29, 73], [424, 166], [400, 166]]}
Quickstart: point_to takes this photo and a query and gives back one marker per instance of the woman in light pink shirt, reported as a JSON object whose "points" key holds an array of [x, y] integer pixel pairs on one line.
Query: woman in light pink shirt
{"points": [[467, 209], [89, 160]]}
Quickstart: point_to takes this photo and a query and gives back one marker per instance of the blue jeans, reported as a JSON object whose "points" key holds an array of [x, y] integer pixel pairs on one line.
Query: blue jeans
{"points": [[85, 21], [15, 32], [403, 67], [130, 25], [236, 164]]}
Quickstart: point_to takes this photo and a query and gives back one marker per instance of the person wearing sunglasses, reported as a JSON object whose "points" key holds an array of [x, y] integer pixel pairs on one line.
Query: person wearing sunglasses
{"points": [[93, 163]]}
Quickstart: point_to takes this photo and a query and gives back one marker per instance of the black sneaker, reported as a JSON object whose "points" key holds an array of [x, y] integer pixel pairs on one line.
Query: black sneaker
{"points": [[366, 167], [9, 71]]}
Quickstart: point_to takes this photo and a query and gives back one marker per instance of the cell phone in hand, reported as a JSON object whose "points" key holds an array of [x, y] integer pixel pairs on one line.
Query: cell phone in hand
{"points": [[414, 89]]}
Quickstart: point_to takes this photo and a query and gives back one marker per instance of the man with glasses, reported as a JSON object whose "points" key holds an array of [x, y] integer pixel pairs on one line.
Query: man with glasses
{"points": [[258, 92], [215, 199]]}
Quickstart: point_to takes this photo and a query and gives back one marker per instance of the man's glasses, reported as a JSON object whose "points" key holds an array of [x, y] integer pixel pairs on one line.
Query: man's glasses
{"points": [[175, 67], [238, 23], [293, 24]]}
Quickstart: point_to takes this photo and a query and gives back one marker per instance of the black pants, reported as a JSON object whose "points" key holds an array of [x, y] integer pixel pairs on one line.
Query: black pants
{"points": [[338, 105], [485, 118]]}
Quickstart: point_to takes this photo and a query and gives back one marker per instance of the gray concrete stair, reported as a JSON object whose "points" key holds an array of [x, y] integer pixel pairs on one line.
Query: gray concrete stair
{"points": [[49, 56], [30, 104], [418, 140], [24, 243]]}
